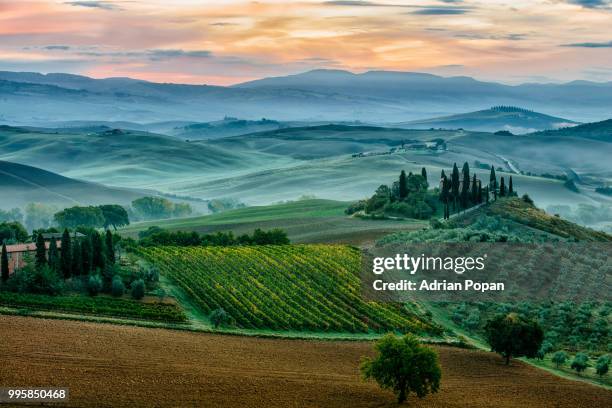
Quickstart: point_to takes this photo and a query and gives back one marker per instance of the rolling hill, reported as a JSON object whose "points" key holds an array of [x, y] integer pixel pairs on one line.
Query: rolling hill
{"points": [[124, 157], [515, 120], [22, 184]]}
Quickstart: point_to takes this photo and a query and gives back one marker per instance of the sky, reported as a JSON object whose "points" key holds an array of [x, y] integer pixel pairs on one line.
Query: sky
{"points": [[224, 42]]}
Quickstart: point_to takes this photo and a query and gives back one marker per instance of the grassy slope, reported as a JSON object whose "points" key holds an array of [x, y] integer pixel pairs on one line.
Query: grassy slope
{"points": [[304, 221]]}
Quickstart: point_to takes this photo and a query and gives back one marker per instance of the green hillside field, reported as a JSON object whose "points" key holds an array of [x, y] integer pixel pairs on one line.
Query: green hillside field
{"points": [[305, 221]]}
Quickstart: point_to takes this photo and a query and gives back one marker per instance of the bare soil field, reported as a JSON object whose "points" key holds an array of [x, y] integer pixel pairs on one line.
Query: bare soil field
{"points": [[108, 365]]}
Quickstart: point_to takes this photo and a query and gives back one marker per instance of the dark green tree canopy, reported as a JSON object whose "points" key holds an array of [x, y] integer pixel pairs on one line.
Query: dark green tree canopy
{"points": [[80, 216], [513, 336], [403, 365], [12, 232], [114, 216]]}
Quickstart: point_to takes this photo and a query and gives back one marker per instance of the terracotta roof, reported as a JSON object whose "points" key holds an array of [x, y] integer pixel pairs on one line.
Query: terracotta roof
{"points": [[30, 247]]}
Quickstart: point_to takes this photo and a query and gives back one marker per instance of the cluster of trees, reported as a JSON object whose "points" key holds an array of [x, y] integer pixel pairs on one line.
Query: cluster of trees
{"points": [[155, 236], [33, 216], [157, 208], [93, 217], [12, 232], [91, 254], [407, 197], [85, 262], [581, 362], [463, 191]]}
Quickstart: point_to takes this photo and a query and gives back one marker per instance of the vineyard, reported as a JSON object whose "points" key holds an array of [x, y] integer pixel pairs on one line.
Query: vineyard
{"points": [[285, 287]]}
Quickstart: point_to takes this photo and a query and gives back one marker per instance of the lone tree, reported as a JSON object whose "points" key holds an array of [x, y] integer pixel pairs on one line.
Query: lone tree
{"points": [[66, 255], [559, 358], [219, 317], [4, 266], [510, 188], [41, 251], [403, 365], [513, 336]]}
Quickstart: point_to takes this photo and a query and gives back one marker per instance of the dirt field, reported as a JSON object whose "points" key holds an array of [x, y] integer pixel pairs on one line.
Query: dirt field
{"points": [[106, 365]]}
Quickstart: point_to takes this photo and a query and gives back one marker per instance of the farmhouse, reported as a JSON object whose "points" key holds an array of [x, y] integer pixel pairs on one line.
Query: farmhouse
{"points": [[20, 254]]}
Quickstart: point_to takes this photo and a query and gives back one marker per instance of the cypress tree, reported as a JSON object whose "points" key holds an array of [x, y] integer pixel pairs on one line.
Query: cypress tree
{"points": [[424, 174], [86, 256], [403, 187], [54, 261], [510, 188], [110, 248], [97, 252], [479, 192], [455, 185], [77, 262], [41, 251], [502, 188], [465, 190], [4, 265], [493, 182], [66, 258], [486, 194], [474, 197]]}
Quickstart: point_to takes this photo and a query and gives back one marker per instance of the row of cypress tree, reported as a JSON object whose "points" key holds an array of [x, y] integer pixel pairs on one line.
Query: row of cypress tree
{"points": [[78, 256], [463, 191]]}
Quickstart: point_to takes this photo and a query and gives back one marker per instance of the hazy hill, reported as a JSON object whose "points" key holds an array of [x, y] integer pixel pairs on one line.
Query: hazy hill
{"points": [[597, 131], [20, 184], [123, 157], [515, 120], [373, 97]]}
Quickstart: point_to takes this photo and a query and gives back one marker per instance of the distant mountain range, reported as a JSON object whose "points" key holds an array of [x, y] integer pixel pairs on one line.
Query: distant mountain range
{"points": [[321, 95], [509, 118]]}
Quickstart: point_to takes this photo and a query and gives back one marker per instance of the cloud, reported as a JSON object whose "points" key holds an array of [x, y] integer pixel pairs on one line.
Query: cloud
{"points": [[592, 3], [157, 55], [105, 5], [590, 45], [57, 47], [441, 11], [358, 3], [222, 24]]}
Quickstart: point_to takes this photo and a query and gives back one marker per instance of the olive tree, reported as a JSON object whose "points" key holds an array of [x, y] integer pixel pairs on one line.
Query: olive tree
{"points": [[403, 365], [513, 336]]}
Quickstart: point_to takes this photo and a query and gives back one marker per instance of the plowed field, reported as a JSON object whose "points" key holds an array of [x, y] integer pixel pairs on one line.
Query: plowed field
{"points": [[107, 365]]}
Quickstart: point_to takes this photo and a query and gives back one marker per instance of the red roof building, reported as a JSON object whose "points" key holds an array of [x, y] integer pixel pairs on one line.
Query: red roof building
{"points": [[19, 254]]}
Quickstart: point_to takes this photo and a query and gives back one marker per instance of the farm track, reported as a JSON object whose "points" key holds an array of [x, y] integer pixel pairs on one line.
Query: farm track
{"points": [[108, 365]]}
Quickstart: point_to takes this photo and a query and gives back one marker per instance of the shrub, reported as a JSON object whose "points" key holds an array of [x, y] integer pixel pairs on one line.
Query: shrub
{"points": [[94, 285], [403, 365], [580, 363], [138, 289], [219, 317], [117, 288], [603, 365], [41, 280]]}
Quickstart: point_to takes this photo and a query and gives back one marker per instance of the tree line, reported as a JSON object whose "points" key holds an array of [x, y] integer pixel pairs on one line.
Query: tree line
{"points": [[155, 236]]}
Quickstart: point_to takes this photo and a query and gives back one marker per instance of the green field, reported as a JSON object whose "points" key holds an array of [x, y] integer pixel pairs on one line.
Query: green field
{"points": [[305, 221], [98, 306], [288, 287]]}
